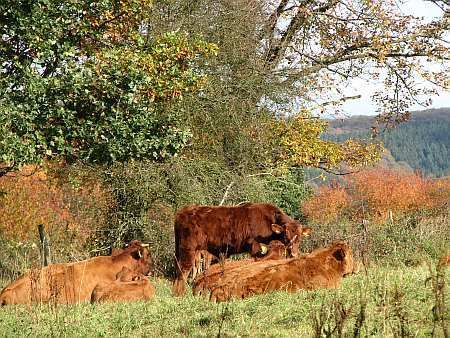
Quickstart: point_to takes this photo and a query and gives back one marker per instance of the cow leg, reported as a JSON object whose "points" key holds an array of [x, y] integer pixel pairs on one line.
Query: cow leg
{"points": [[197, 267], [184, 265], [208, 258], [202, 262]]}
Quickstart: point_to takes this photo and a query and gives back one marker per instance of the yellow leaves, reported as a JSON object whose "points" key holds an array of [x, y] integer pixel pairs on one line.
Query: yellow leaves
{"points": [[298, 143], [162, 70]]}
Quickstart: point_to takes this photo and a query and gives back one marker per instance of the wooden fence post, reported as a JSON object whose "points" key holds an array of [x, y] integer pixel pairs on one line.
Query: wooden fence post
{"points": [[44, 247]]}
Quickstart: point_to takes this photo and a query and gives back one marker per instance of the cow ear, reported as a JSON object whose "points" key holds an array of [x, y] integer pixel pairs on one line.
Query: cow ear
{"points": [[276, 228], [116, 251], [306, 231], [264, 249], [339, 254], [137, 254]]}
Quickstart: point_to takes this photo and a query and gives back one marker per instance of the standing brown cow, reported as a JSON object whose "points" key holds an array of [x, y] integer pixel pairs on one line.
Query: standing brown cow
{"points": [[227, 230], [73, 282]]}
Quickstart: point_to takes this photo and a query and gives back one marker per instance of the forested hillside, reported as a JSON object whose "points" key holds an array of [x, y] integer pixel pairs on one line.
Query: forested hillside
{"points": [[423, 142]]}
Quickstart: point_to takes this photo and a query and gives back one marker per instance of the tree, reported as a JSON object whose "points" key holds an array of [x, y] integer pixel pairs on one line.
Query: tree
{"points": [[324, 44], [85, 80], [278, 60]]}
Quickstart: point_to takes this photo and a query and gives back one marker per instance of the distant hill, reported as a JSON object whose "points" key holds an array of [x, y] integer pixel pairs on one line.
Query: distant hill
{"points": [[423, 143]]}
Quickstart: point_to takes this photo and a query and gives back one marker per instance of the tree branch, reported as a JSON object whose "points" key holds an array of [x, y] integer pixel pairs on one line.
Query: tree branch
{"points": [[225, 195], [7, 169], [337, 173]]}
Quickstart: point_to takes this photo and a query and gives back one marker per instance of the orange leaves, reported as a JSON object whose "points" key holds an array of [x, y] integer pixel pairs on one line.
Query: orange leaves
{"points": [[328, 205], [27, 201], [385, 190], [28, 198], [376, 194]]}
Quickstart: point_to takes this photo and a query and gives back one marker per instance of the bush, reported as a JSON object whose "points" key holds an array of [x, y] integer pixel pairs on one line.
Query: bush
{"points": [[404, 242], [87, 211], [328, 205], [376, 195], [147, 196]]}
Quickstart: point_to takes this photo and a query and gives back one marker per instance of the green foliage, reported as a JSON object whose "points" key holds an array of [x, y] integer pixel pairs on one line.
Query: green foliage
{"points": [[288, 191], [147, 194], [85, 80]]}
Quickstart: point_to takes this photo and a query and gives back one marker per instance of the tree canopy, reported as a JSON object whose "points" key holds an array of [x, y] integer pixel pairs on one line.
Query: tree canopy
{"points": [[279, 59], [100, 80], [85, 80]]}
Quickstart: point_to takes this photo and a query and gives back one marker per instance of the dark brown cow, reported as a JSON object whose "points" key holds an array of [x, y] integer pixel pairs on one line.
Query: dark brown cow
{"points": [[227, 230], [74, 282], [128, 286], [323, 268]]}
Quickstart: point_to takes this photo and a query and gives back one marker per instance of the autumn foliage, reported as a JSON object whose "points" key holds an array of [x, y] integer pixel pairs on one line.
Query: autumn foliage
{"points": [[30, 197], [376, 195], [298, 142], [328, 205]]}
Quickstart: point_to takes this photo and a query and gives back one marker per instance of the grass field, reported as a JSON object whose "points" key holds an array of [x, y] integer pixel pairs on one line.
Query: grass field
{"points": [[379, 302]]}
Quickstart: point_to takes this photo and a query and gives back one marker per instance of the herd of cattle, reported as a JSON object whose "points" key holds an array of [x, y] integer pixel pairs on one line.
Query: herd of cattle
{"points": [[203, 235]]}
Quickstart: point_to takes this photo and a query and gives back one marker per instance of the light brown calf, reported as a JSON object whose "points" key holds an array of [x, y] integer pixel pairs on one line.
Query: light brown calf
{"points": [[323, 268], [128, 286], [274, 250]]}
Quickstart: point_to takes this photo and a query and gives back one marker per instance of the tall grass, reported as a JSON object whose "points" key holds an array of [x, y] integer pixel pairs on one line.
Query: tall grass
{"points": [[383, 302]]}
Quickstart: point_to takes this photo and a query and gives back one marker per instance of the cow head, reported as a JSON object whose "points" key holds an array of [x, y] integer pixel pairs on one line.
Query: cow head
{"points": [[141, 254], [292, 233], [274, 250], [343, 254]]}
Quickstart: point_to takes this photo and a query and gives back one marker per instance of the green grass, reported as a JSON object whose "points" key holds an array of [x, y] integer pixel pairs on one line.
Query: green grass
{"points": [[397, 299]]}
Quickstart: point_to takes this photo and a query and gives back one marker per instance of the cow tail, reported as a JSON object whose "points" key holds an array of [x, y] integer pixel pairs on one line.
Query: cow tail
{"points": [[177, 249]]}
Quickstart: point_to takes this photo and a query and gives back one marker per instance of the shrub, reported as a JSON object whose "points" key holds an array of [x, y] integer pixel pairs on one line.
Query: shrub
{"points": [[328, 205], [404, 242], [377, 195], [387, 191], [66, 208], [148, 194]]}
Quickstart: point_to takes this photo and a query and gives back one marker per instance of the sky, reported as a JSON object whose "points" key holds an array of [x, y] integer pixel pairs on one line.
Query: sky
{"points": [[364, 105]]}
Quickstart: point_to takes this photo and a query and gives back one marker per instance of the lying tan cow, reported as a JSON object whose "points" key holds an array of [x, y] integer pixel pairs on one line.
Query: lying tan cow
{"points": [[74, 282], [128, 286], [445, 261], [274, 250], [323, 268]]}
